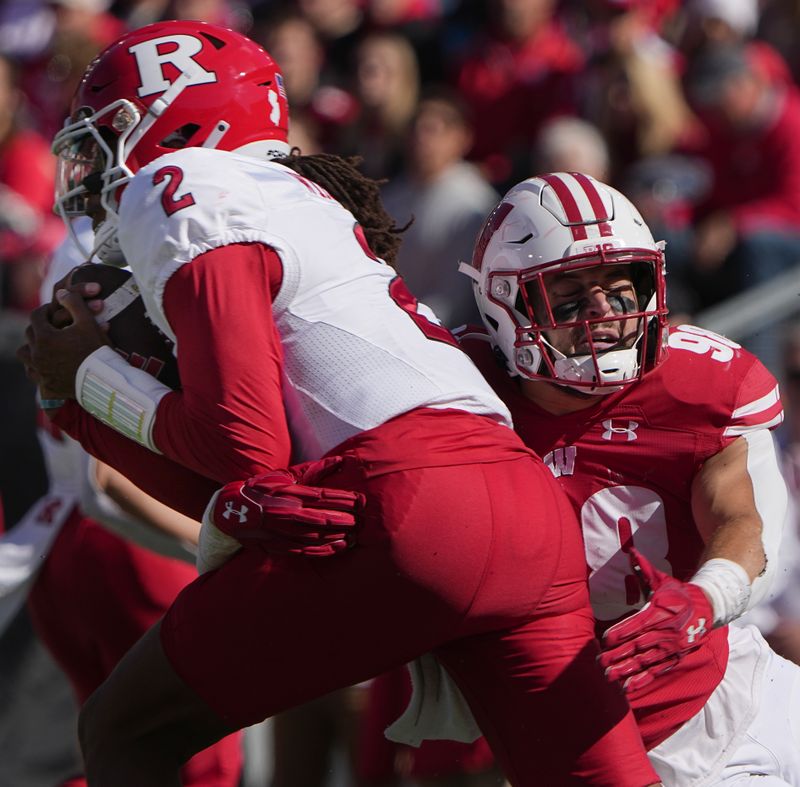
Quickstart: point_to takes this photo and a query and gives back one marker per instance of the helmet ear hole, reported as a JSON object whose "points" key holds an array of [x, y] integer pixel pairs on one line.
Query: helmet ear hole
{"points": [[644, 282], [217, 43], [180, 137]]}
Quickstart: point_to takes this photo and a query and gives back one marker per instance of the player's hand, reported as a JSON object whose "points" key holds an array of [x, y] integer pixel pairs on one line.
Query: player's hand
{"points": [[60, 317], [280, 513], [51, 356], [673, 622]]}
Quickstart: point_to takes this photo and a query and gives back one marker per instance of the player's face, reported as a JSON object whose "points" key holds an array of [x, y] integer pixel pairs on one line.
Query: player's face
{"points": [[80, 166], [591, 294]]}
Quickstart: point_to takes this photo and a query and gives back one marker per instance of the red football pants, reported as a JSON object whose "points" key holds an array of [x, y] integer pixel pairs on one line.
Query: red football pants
{"points": [[482, 563], [94, 597]]}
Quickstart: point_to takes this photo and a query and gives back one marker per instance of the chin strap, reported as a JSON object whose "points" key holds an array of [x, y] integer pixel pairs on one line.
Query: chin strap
{"points": [[106, 245]]}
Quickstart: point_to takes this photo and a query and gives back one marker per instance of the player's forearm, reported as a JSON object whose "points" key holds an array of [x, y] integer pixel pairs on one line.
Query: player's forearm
{"points": [[739, 502], [739, 540], [150, 512], [212, 440], [228, 421], [174, 485]]}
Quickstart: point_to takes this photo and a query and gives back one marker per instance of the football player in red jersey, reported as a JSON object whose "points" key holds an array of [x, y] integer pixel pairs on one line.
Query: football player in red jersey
{"points": [[295, 339], [661, 438]]}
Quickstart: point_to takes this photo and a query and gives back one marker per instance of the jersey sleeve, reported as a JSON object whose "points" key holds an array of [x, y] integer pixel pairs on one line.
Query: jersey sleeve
{"points": [[181, 206], [228, 421], [757, 404]]}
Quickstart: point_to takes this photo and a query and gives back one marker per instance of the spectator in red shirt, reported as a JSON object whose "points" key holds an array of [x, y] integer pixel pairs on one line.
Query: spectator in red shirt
{"points": [[28, 228], [750, 221], [517, 76], [81, 29], [714, 23], [630, 88], [319, 105]]}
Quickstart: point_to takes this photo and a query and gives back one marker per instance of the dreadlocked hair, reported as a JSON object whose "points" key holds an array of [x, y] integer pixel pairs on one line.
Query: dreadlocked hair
{"points": [[340, 177]]}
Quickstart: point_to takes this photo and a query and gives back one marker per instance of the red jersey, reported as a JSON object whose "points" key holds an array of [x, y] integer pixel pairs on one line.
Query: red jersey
{"points": [[627, 464]]}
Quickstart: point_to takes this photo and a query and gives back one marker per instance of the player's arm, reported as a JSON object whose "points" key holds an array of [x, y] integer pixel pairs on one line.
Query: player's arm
{"points": [[122, 507], [228, 420], [175, 486], [739, 503]]}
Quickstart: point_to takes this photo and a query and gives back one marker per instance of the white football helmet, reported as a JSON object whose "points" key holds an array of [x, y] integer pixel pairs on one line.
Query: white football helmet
{"points": [[567, 221]]}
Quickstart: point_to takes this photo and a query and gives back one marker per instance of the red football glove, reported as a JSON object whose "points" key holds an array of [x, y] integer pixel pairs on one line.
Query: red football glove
{"points": [[281, 515], [676, 618]]}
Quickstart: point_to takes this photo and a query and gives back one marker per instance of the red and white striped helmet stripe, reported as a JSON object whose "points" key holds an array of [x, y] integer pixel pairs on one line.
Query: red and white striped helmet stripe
{"points": [[586, 214]]}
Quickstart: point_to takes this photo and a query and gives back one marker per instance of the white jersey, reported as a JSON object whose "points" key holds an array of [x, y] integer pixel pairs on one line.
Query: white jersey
{"points": [[346, 368]]}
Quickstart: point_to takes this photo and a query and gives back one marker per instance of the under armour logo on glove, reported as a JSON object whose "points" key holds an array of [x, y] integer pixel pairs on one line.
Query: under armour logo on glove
{"points": [[239, 512], [279, 513], [693, 632], [673, 622]]}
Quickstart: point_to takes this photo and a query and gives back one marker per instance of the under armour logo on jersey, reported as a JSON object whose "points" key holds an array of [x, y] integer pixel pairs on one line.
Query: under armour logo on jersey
{"points": [[231, 511], [177, 50], [616, 431], [561, 461], [693, 632]]}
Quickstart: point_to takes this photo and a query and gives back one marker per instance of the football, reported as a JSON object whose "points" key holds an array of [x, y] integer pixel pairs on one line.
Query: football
{"points": [[131, 332]]}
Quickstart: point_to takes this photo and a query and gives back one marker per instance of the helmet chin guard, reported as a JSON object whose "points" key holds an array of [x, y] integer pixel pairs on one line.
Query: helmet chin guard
{"points": [[558, 223], [611, 368]]}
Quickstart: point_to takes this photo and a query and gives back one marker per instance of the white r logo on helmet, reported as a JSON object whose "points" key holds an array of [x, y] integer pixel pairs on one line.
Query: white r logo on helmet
{"points": [[150, 62]]}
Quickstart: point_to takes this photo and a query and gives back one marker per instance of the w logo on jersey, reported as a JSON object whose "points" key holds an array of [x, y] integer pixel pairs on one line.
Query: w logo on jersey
{"points": [[620, 431], [561, 461]]}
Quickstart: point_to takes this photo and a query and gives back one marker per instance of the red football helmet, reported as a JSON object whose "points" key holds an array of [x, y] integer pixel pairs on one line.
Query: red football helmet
{"points": [[162, 87]]}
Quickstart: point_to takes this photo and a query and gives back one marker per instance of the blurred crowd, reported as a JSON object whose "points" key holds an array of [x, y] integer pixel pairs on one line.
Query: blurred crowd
{"points": [[690, 107]]}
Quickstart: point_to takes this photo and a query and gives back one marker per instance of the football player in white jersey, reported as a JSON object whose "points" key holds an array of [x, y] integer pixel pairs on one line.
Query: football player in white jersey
{"points": [[660, 437], [295, 339]]}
